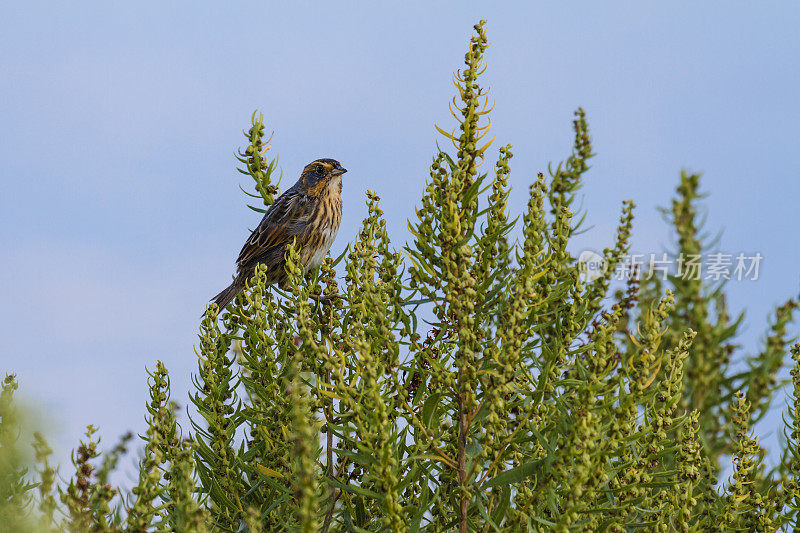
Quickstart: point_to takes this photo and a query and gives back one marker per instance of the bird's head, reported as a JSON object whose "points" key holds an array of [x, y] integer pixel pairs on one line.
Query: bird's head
{"points": [[321, 174]]}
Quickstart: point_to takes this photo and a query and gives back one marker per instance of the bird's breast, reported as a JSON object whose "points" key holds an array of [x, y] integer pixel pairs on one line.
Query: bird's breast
{"points": [[323, 229], [326, 237]]}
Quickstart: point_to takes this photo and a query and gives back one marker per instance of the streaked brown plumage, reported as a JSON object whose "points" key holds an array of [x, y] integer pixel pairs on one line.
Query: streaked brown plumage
{"points": [[310, 211]]}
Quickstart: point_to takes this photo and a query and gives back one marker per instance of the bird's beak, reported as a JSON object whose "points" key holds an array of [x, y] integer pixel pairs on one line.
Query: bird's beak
{"points": [[338, 171]]}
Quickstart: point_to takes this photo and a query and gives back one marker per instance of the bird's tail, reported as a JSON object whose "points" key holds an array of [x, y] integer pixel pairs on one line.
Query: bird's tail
{"points": [[229, 293]]}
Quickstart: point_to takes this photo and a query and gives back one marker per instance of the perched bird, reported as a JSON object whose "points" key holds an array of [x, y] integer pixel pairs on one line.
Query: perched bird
{"points": [[310, 211]]}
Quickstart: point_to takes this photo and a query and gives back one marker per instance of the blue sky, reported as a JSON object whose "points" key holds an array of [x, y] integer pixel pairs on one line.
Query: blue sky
{"points": [[121, 216]]}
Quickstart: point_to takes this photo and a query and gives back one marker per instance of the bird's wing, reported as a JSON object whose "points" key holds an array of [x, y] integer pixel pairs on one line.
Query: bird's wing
{"points": [[286, 218]]}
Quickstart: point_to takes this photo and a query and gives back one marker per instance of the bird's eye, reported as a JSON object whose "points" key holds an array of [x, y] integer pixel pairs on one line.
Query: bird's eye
{"points": [[320, 169]]}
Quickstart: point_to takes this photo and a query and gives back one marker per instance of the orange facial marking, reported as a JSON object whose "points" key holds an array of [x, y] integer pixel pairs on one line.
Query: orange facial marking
{"points": [[319, 188]]}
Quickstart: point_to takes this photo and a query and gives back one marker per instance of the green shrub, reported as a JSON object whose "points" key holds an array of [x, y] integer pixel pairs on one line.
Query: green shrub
{"points": [[468, 382]]}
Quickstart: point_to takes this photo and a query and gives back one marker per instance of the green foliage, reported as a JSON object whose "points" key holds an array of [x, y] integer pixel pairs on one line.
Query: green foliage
{"points": [[473, 381], [15, 487], [163, 500]]}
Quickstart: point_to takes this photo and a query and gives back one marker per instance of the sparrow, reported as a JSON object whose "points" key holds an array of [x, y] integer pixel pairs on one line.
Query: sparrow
{"points": [[309, 212]]}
